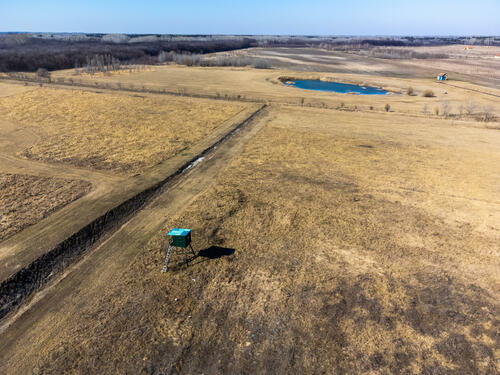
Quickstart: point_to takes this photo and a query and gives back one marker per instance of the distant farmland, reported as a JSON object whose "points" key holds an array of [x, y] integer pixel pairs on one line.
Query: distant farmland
{"points": [[334, 233]]}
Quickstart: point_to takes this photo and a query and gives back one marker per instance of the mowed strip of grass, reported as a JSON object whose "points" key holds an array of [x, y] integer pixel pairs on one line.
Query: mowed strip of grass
{"points": [[121, 133], [25, 199], [326, 262]]}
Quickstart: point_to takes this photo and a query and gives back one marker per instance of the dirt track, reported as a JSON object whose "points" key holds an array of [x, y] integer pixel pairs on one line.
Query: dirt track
{"points": [[106, 262], [108, 191]]}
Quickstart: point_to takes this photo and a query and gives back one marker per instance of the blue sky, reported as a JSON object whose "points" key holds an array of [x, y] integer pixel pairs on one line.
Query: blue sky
{"points": [[313, 17]]}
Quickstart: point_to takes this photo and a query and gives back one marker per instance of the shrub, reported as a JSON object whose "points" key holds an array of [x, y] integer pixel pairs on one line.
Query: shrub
{"points": [[428, 94], [436, 111], [387, 107], [445, 109], [42, 73], [410, 91], [488, 114]]}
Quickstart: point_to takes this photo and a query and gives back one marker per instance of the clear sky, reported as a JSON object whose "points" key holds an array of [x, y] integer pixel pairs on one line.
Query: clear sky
{"points": [[312, 17]]}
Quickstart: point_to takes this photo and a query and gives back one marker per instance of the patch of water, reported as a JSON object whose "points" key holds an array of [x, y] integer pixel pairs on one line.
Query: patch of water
{"points": [[342, 88], [195, 163]]}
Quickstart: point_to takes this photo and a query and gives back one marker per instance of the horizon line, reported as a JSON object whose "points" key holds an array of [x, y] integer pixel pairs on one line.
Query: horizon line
{"points": [[277, 35]]}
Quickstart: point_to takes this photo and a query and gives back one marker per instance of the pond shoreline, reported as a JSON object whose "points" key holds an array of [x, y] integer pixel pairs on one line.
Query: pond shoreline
{"points": [[337, 87]]}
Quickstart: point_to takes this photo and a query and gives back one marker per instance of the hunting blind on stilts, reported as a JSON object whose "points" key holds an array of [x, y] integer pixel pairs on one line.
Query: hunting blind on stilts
{"points": [[178, 238]]}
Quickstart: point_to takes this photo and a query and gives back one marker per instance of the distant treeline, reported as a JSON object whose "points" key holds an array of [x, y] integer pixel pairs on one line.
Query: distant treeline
{"points": [[220, 60], [29, 52], [35, 53], [400, 53], [349, 42]]}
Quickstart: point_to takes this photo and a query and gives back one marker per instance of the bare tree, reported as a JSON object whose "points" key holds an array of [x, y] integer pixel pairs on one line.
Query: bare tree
{"points": [[445, 109], [101, 63], [261, 64], [470, 107], [162, 57]]}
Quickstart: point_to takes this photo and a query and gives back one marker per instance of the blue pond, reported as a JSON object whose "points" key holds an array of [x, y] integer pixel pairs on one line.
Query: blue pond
{"points": [[342, 88]]}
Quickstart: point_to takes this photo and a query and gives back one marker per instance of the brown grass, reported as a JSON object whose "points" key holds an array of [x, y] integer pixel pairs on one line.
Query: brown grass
{"points": [[25, 200], [122, 133], [264, 85], [8, 89], [478, 61], [363, 242], [360, 247]]}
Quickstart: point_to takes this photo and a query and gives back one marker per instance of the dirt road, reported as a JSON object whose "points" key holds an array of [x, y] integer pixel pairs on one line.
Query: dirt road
{"points": [[26, 334], [109, 190]]}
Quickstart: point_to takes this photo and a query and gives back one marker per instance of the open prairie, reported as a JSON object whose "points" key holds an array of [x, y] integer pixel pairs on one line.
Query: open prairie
{"points": [[13, 88], [69, 156], [469, 63], [28, 199], [121, 133], [264, 85], [334, 233], [474, 61]]}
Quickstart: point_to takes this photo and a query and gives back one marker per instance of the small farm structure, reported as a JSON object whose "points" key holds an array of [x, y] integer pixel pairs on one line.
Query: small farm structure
{"points": [[178, 237], [442, 77]]}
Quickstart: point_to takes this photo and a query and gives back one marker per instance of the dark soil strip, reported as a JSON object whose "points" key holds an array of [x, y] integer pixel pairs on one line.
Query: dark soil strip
{"points": [[23, 283]]}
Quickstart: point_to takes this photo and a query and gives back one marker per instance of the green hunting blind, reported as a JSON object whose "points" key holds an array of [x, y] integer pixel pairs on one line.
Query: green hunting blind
{"points": [[178, 237]]}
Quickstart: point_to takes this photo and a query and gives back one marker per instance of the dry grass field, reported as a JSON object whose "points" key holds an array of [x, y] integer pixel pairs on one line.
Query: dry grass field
{"points": [[7, 89], [264, 85], [119, 143], [333, 236], [477, 64], [120, 133], [334, 243], [28, 199], [477, 61]]}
